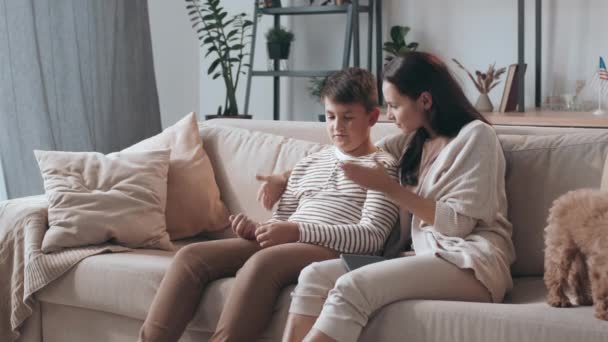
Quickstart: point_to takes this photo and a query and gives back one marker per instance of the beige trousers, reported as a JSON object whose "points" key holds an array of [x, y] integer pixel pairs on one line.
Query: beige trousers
{"points": [[345, 301], [262, 274]]}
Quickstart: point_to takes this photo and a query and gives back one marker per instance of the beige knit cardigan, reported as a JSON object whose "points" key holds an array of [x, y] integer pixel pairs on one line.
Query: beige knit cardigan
{"points": [[471, 230]]}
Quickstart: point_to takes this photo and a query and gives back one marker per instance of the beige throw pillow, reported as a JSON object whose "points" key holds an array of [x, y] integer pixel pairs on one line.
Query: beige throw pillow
{"points": [[95, 198], [193, 197]]}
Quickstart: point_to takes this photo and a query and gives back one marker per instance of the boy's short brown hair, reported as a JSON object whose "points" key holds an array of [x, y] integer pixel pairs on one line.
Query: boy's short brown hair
{"points": [[352, 85]]}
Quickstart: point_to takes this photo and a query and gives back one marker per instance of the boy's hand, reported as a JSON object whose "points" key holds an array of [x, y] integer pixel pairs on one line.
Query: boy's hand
{"points": [[271, 189], [277, 233], [243, 226]]}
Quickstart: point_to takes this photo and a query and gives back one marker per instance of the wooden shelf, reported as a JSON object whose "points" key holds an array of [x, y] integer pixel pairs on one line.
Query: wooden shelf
{"points": [[543, 118], [548, 118], [303, 10]]}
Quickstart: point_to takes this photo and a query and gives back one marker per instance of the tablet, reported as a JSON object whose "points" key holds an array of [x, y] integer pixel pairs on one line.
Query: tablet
{"points": [[354, 261]]}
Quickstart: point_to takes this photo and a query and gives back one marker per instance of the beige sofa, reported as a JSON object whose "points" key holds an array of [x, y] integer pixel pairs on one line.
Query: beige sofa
{"points": [[105, 297]]}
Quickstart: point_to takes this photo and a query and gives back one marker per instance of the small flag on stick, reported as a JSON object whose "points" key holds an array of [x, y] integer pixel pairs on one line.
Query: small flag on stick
{"points": [[603, 79]]}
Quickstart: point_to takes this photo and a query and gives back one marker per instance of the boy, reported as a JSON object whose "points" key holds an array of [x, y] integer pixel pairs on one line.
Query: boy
{"points": [[320, 215]]}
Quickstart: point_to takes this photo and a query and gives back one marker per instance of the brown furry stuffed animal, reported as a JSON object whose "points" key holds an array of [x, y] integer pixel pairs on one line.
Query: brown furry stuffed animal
{"points": [[576, 253]]}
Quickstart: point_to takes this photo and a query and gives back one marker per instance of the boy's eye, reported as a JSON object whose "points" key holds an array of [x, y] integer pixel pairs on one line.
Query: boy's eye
{"points": [[348, 118], [330, 117]]}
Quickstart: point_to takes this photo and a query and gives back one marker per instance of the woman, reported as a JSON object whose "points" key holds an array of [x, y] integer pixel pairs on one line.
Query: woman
{"points": [[453, 210]]}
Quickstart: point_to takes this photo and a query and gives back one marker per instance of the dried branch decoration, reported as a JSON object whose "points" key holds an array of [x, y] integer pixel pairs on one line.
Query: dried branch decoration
{"points": [[484, 82]]}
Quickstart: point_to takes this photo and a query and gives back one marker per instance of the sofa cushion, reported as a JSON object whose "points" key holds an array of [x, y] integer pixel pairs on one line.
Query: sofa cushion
{"points": [[238, 155], [193, 198], [125, 284], [540, 169], [308, 131], [523, 317]]}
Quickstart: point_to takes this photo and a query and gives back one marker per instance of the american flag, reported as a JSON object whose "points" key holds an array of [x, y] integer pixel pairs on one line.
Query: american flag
{"points": [[603, 72]]}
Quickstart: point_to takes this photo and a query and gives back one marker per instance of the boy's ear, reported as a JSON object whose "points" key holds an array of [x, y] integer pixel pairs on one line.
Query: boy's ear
{"points": [[374, 115]]}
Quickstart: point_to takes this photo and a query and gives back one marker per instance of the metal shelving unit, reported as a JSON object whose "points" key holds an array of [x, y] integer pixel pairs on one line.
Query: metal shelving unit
{"points": [[521, 53], [351, 40]]}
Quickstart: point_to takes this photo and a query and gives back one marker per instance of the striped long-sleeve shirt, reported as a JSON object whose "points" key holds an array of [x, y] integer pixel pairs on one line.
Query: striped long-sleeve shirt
{"points": [[333, 211]]}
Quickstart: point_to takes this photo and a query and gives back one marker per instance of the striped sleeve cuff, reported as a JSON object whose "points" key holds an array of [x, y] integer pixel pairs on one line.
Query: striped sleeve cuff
{"points": [[306, 233]]}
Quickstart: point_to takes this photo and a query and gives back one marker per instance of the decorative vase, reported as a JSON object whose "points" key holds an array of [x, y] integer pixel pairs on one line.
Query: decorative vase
{"points": [[484, 104]]}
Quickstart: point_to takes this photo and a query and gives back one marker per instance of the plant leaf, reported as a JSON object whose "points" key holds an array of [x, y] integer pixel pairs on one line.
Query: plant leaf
{"points": [[214, 65], [477, 85], [404, 30], [232, 33], [210, 50], [396, 34]]}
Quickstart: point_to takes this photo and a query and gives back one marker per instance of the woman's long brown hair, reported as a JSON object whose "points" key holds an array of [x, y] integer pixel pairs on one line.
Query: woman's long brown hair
{"points": [[415, 73]]}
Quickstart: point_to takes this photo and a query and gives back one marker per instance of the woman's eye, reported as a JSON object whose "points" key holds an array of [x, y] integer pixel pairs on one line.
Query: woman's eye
{"points": [[330, 117]]}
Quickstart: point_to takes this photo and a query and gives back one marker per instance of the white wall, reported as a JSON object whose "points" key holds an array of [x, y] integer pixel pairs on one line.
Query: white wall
{"points": [[176, 59], [476, 32]]}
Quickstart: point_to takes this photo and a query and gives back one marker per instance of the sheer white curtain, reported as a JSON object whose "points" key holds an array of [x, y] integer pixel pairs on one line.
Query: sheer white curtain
{"points": [[75, 75]]}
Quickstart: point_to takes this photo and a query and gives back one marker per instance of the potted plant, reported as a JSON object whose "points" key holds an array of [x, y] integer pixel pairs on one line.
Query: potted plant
{"points": [[226, 39], [397, 46], [278, 41], [484, 82], [315, 87]]}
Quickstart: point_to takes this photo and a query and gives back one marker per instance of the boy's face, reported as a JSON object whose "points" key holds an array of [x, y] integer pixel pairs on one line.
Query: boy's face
{"points": [[348, 126]]}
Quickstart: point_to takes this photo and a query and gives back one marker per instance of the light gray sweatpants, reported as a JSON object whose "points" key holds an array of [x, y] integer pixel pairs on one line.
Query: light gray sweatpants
{"points": [[345, 301]]}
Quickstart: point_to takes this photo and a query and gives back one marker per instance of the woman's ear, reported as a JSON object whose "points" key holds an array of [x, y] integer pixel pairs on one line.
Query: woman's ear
{"points": [[426, 99], [374, 115]]}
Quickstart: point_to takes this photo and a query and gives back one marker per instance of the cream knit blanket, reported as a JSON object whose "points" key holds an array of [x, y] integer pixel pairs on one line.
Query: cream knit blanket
{"points": [[24, 269]]}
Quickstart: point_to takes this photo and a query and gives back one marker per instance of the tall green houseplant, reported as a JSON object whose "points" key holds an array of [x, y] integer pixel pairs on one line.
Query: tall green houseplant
{"points": [[226, 39]]}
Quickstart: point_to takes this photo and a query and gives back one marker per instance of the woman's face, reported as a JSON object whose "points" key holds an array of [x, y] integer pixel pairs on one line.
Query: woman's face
{"points": [[408, 114]]}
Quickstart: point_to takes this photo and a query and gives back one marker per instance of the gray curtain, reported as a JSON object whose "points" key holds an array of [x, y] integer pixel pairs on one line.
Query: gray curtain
{"points": [[75, 75]]}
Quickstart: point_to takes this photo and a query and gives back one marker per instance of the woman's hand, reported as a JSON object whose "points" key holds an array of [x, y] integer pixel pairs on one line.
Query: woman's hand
{"points": [[277, 233], [243, 226], [371, 178], [271, 189]]}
